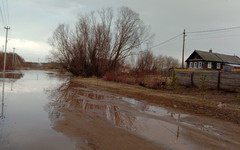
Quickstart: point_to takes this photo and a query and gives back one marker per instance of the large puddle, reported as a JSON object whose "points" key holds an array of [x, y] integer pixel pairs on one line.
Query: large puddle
{"points": [[34, 103], [166, 128], [24, 122]]}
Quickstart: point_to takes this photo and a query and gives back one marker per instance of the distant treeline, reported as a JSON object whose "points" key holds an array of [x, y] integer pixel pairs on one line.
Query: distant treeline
{"points": [[13, 61]]}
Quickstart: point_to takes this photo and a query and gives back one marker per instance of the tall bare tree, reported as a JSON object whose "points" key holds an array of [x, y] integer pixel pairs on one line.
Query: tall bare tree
{"points": [[99, 42], [146, 62]]}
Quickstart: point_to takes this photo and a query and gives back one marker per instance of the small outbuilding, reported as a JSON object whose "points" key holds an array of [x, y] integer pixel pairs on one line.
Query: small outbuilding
{"points": [[207, 60]]}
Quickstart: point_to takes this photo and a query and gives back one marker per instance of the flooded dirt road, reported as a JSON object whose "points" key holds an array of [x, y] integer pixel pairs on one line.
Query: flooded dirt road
{"points": [[43, 111], [24, 122]]}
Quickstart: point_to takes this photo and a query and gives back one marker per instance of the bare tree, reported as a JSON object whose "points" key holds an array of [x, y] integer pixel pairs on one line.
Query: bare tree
{"points": [[99, 43], [61, 43], [130, 34], [160, 62], [146, 62], [171, 62]]}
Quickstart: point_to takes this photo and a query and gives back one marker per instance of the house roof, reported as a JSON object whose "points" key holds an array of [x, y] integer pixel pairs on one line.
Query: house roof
{"points": [[210, 56]]}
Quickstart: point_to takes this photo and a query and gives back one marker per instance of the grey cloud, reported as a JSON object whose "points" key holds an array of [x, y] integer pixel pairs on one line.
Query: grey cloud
{"points": [[166, 18]]}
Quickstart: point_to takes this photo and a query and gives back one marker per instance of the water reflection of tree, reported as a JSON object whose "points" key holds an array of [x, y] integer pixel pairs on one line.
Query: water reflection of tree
{"points": [[12, 75], [70, 95]]}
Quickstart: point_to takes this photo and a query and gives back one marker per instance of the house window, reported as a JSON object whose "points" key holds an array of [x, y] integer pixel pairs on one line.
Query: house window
{"points": [[218, 65], [191, 65], [200, 65], [195, 64], [209, 65]]}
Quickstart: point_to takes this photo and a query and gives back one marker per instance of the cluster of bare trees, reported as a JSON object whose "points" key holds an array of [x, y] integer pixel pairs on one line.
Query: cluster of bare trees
{"points": [[100, 41], [148, 63], [13, 61]]}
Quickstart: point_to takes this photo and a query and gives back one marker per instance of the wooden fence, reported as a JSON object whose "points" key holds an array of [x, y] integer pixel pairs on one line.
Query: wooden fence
{"points": [[229, 81]]}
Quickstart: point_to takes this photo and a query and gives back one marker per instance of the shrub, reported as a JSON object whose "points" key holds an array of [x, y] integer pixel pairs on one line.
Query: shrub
{"points": [[110, 76], [174, 81], [157, 84], [202, 84], [131, 80]]}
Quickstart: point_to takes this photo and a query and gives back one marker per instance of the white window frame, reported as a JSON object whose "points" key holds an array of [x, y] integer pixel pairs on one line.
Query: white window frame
{"points": [[191, 65], [195, 65], [218, 65], [209, 66], [200, 65]]}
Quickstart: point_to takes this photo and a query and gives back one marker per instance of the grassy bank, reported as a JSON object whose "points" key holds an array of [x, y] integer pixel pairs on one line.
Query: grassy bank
{"points": [[188, 100]]}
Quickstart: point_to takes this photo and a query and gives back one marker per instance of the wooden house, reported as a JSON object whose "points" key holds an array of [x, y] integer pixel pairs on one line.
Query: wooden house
{"points": [[203, 60]]}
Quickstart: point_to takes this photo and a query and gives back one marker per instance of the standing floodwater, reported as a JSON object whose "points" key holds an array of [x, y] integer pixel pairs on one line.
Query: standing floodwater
{"points": [[24, 122], [43, 111], [106, 121]]}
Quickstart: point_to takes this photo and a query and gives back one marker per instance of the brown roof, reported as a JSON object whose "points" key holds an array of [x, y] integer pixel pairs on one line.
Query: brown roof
{"points": [[210, 56]]}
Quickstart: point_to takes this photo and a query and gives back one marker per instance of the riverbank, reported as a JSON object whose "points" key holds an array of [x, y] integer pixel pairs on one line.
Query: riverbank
{"points": [[217, 104]]}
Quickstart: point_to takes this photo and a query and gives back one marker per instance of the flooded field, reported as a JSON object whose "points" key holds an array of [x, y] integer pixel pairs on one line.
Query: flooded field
{"points": [[43, 111]]}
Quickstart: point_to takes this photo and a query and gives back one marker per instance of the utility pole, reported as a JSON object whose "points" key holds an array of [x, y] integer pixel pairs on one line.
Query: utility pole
{"points": [[2, 114], [184, 35], [4, 66], [13, 59]]}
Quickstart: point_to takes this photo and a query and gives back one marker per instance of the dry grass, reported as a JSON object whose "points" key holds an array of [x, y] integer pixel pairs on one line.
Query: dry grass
{"points": [[187, 100]]}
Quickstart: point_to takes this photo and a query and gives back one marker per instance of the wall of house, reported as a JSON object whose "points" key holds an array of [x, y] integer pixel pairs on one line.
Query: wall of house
{"points": [[229, 81], [204, 65], [198, 66]]}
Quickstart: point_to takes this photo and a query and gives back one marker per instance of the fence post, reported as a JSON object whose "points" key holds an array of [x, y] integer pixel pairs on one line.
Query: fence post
{"points": [[192, 74], [219, 78]]}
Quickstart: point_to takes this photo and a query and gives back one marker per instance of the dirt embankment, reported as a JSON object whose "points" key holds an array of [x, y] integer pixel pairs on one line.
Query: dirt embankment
{"points": [[217, 104]]}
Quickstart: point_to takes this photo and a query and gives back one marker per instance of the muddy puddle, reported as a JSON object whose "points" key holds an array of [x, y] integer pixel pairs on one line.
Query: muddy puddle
{"points": [[163, 128], [40, 110]]}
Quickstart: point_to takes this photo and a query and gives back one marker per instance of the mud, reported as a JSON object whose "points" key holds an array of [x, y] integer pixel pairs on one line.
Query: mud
{"points": [[101, 120]]}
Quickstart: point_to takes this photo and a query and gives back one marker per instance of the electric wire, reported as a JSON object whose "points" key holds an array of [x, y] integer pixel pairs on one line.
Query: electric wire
{"points": [[173, 43], [4, 12], [7, 9], [164, 42], [3, 21], [213, 30], [216, 37], [221, 32], [211, 33]]}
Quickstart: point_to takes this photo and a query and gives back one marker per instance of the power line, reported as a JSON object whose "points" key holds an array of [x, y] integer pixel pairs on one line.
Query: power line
{"points": [[3, 21], [164, 42], [7, 12], [215, 37], [221, 33], [214, 30], [4, 12]]}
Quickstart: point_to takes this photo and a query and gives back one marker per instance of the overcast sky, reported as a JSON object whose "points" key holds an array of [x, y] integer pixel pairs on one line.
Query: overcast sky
{"points": [[32, 22]]}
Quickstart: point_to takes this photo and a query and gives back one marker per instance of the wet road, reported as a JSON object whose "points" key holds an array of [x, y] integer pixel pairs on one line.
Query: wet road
{"points": [[24, 123], [43, 111]]}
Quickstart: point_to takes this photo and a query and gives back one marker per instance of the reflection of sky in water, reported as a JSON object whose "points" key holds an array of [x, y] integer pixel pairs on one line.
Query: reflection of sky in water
{"points": [[135, 116], [26, 124]]}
